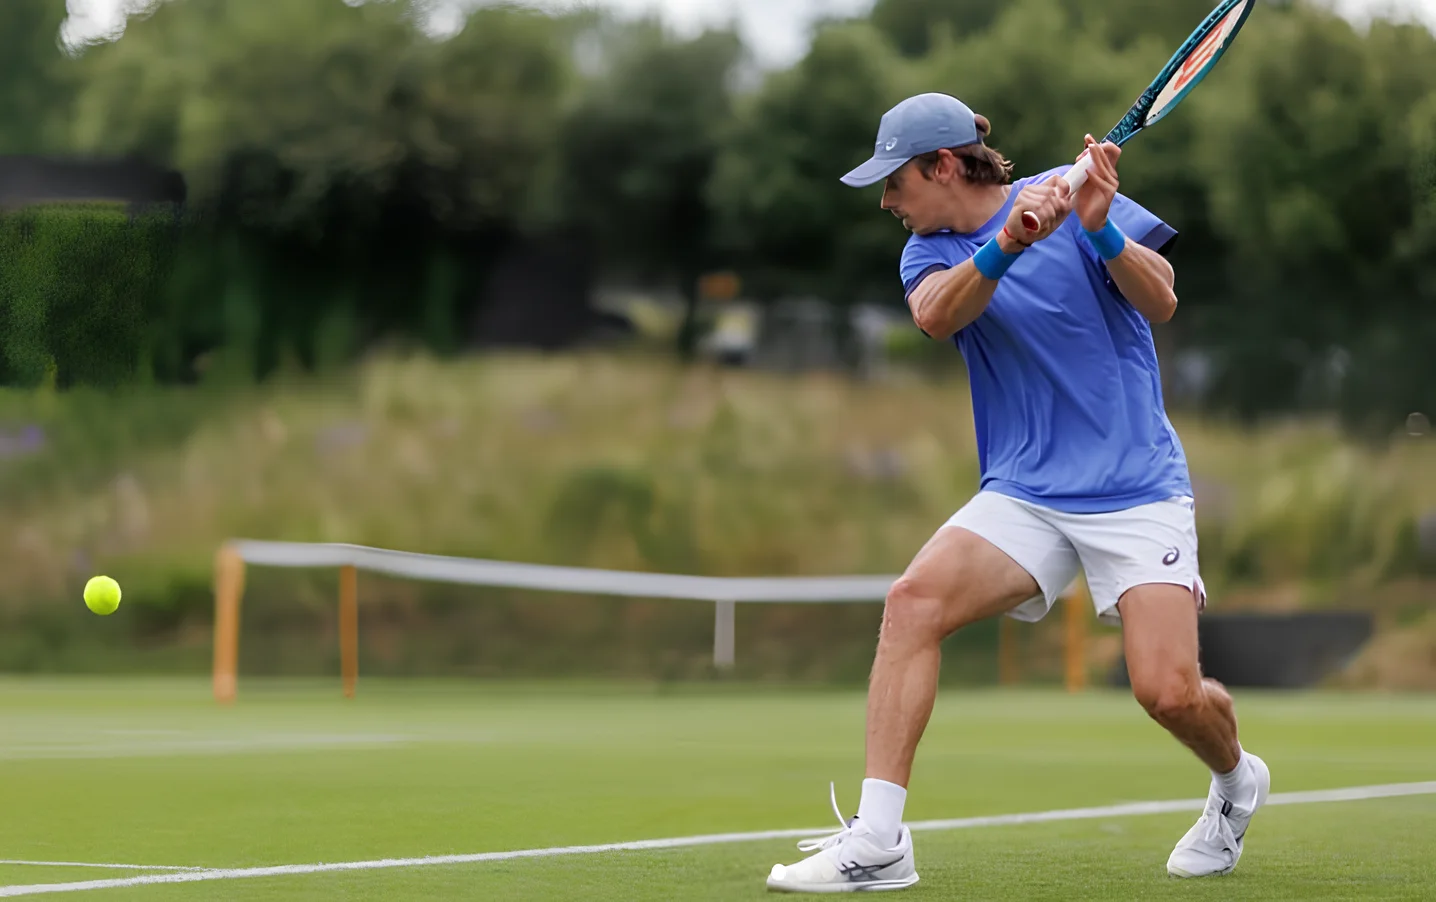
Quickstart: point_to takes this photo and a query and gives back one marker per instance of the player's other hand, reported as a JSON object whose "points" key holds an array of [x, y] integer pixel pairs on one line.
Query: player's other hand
{"points": [[1094, 199], [1048, 201]]}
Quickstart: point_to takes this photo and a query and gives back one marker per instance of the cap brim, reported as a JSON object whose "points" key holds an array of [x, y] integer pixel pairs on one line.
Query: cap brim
{"points": [[871, 172]]}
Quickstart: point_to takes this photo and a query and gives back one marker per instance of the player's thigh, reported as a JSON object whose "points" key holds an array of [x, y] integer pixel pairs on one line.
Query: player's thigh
{"points": [[1159, 639], [990, 558]]}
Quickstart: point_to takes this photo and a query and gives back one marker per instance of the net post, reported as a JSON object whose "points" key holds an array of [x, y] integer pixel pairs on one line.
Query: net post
{"points": [[1078, 601], [1009, 673], [723, 634], [228, 591], [349, 628]]}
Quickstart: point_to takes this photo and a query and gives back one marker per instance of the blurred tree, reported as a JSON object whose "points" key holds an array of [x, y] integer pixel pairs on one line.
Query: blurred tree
{"points": [[1043, 78], [280, 109], [35, 76], [794, 227], [355, 170], [917, 26], [1167, 22], [912, 24], [346, 161], [639, 147], [1311, 155]]}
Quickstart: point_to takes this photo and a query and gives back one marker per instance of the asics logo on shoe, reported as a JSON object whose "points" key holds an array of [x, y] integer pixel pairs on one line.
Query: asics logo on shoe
{"points": [[1173, 555], [860, 872]]}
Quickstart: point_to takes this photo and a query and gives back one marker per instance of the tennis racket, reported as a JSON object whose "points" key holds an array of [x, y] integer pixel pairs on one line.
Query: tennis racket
{"points": [[1196, 57]]}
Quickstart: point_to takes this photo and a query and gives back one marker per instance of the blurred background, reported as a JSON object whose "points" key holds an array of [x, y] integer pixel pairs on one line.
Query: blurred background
{"points": [[579, 285]]}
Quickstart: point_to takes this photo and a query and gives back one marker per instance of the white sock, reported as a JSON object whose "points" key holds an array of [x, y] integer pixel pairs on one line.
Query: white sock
{"points": [[881, 809], [1234, 784]]}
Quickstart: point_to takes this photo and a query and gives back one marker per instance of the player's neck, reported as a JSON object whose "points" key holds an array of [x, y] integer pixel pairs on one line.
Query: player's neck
{"points": [[974, 205]]}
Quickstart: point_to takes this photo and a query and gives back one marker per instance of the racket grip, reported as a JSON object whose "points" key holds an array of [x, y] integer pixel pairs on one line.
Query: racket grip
{"points": [[1075, 177]]}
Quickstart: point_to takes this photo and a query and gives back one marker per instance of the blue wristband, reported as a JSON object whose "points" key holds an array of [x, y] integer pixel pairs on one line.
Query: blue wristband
{"points": [[1109, 241], [992, 261]]}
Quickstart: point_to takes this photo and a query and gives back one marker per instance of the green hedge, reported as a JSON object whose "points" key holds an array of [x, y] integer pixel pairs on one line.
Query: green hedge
{"points": [[79, 293]]}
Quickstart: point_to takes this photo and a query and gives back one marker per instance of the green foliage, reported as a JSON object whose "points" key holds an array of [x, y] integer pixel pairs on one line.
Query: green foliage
{"points": [[1304, 151], [77, 287], [354, 177], [35, 85], [637, 151], [293, 116], [912, 24], [776, 187]]}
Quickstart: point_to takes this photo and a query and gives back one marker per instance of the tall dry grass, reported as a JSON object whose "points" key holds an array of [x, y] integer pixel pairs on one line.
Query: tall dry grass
{"points": [[621, 462]]}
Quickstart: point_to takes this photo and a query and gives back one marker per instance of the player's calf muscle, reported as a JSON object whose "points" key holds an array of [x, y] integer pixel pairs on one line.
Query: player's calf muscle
{"points": [[1197, 712]]}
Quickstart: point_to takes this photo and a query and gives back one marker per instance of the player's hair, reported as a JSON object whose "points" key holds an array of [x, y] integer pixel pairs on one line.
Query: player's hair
{"points": [[980, 164]]}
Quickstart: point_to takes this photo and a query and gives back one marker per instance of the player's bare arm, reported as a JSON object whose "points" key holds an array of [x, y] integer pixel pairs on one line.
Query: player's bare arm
{"points": [[1144, 276], [946, 301], [1145, 279]]}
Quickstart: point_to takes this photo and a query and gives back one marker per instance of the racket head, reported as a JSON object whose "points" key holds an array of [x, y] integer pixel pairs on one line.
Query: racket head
{"points": [[1192, 62]]}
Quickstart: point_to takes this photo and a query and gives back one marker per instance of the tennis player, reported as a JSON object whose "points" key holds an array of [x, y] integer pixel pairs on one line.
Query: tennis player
{"points": [[1080, 468]]}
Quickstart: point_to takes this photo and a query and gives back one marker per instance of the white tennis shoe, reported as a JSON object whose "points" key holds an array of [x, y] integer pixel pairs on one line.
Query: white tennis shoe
{"points": [[1214, 844], [851, 860]]}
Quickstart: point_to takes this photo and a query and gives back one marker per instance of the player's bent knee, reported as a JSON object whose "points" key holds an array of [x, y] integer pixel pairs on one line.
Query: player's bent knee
{"points": [[912, 613], [1170, 699]]}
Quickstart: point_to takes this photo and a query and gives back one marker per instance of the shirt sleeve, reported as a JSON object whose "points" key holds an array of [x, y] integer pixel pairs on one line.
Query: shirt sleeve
{"points": [[1141, 225], [920, 259]]}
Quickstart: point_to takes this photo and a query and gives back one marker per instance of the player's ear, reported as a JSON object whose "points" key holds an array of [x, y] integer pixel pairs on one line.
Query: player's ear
{"points": [[951, 165]]}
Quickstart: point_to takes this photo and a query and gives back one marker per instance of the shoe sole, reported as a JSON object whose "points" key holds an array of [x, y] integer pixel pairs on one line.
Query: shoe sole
{"points": [[873, 886], [1263, 774]]}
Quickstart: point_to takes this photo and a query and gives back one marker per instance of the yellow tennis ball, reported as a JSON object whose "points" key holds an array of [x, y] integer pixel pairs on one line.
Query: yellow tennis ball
{"points": [[102, 595]]}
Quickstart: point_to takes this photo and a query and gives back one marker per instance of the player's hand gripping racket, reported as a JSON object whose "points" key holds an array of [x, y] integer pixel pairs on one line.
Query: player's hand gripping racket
{"points": [[1187, 67]]}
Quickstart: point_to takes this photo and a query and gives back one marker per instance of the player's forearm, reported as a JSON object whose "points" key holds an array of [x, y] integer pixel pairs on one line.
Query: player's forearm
{"points": [[1145, 279]]}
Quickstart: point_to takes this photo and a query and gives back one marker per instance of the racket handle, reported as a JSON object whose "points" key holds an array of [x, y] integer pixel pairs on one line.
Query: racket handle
{"points": [[1075, 177]]}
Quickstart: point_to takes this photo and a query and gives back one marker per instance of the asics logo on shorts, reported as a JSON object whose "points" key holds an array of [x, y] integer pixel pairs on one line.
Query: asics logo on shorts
{"points": [[1173, 555]]}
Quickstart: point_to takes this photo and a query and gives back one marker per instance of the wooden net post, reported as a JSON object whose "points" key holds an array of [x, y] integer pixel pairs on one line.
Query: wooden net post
{"points": [[228, 591], [349, 628], [1078, 603]]}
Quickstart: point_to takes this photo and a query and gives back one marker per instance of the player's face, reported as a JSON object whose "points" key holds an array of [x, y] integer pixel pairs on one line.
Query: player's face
{"points": [[913, 198]]}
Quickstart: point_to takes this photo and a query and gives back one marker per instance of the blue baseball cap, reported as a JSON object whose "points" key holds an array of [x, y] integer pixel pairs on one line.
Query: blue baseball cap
{"points": [[919, 125]]}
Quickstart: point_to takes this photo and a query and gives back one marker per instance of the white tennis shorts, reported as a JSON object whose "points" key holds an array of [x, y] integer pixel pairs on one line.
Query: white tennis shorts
{"points": [[1152, 543]]}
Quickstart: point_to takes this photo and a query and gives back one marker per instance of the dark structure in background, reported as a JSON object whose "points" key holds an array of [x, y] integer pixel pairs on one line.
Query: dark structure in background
{"points": [[30, 180], [1275, 651], [539, 294]]}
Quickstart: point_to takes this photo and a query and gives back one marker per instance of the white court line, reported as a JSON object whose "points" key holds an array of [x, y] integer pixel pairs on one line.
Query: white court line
{"points": [[91, 864], [1349, 794], [213, 745]]}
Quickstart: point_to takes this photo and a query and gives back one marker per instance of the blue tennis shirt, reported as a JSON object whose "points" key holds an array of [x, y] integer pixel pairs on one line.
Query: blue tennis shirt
{"points": [[1066, 393]]}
